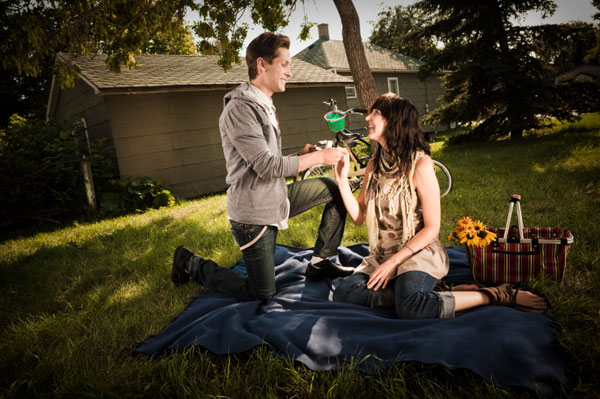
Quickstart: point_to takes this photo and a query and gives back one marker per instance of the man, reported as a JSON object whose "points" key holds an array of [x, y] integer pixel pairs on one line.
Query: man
{"points": [[259, 202]]}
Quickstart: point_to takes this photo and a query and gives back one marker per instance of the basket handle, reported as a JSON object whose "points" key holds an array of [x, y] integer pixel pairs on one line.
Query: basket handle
{"points": [[514, 199]]}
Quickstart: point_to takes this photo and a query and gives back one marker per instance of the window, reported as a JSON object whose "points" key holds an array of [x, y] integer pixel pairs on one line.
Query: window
{"points": [[350, 92], [393, 85]]}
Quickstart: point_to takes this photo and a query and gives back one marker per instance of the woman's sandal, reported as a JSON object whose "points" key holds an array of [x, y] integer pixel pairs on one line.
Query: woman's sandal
{"points": [[525, 287], [506, 295], [444, 285]]}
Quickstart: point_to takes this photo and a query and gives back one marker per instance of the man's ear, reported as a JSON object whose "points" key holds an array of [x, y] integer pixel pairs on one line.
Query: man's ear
{"points": [[260, 64]]}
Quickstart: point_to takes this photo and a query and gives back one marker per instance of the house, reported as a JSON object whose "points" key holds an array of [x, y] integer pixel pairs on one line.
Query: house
{"points": [[581, 73], [162, 116], [392, 72]]}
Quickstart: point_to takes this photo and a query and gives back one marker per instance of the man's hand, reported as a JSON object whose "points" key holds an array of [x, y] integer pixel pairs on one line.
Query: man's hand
{"points": [[331, 156], [328, 156], [308, 148]]}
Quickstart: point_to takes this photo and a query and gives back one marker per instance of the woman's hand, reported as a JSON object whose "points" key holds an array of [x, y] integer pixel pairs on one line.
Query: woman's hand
{"points": [[382, 276], [342, 168]]}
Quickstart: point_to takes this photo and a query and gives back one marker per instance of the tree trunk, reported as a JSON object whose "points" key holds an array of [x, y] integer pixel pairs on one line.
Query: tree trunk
{"points": [[355, 52]]}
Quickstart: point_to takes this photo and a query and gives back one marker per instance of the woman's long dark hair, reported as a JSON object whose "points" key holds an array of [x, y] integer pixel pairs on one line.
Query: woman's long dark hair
{"points": [[403, 134]]}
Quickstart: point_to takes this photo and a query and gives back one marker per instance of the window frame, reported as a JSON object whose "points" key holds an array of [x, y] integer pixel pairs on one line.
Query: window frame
{"points": [[353, 88], [393, 79]]}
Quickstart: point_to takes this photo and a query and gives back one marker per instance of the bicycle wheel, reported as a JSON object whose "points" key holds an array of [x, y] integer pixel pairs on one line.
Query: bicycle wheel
{"points": [[318, 171], [444, 177]]}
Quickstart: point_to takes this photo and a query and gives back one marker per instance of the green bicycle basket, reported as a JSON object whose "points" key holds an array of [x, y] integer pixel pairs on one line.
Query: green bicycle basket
{"points": [[336, 120]]}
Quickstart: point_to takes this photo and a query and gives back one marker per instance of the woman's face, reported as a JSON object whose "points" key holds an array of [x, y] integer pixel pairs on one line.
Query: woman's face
{"points": [[376, 127]]}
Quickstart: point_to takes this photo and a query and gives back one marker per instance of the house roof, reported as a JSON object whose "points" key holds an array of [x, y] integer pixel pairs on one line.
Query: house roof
{"points": [[330, 54], [183, 72], [586, 72]]}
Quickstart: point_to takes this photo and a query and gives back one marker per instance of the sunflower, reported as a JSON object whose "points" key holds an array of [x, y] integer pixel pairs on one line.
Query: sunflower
{"points": [[478, 226], [485, 238], [469, 236], [464, 223], [472, 233]]}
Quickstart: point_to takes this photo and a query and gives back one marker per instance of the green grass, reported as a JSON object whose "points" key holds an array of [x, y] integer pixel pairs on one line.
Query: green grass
{"points": [[75, 301]]}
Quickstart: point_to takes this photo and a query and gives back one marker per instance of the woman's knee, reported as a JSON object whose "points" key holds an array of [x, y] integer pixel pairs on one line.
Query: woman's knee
{"points": [[353, 289], [343, 291], [418, 305], [408, 308]]}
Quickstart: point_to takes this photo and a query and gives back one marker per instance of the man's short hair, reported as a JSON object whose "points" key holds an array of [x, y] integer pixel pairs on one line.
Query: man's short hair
{"points": [[264, 46]]}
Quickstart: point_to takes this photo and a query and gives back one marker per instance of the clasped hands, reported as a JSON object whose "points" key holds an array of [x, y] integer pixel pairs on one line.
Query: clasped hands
{"points": [[330, 156]]}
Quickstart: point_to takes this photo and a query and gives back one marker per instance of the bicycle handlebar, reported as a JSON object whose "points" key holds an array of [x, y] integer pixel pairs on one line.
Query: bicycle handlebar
{"points": [[333, 103], [357, 111]]}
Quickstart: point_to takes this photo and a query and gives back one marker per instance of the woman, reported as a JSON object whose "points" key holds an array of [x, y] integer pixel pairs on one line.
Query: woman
{"points": [[400, 202]]}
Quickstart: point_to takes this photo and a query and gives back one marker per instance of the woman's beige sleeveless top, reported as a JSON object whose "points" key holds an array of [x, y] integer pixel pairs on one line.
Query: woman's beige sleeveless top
{"points": [[394, 216]]}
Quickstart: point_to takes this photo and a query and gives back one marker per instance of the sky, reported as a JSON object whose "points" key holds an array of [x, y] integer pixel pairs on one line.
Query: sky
{"points": [[324, 11]]}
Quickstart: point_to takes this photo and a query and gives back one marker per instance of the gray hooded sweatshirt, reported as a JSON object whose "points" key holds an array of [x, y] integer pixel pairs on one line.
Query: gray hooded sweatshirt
{"points": [[256, 170]]}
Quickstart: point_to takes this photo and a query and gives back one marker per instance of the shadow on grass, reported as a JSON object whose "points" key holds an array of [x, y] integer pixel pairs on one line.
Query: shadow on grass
{"points": [[89, 273]]}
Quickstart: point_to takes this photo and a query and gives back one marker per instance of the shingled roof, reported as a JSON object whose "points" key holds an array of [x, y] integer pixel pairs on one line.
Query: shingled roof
{"points": [[330, 54], [183, 72]]}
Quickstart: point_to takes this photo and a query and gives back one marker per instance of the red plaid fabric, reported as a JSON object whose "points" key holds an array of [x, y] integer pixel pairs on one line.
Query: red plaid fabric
{"points": [[513, 262]]}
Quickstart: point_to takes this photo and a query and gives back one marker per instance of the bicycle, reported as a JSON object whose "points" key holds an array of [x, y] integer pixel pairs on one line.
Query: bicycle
{"points": [[360, 151]]}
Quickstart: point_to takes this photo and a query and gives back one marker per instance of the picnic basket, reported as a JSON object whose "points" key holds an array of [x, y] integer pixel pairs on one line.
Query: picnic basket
{"points": [[519, 253]]}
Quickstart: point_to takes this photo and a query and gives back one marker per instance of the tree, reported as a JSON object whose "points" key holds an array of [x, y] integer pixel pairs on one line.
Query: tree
{"points": [[561, 46], [34, 31], [593, 55], [355, 53], [222, 33], [495, 76], [395, 30]]}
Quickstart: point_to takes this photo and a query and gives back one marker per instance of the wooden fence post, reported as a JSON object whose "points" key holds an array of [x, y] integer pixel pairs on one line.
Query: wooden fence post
{"points": [[88, 180]]}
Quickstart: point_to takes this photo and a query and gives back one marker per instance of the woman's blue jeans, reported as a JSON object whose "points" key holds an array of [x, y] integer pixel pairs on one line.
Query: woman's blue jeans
{"points": [[260, 257], [412, 293]]}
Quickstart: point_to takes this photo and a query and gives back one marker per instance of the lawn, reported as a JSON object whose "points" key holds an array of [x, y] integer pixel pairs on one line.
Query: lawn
{"points": [[75, 301]]}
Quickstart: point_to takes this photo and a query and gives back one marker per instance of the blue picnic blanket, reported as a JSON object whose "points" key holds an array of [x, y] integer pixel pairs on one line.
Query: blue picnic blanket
{"points": [[303, 323]]}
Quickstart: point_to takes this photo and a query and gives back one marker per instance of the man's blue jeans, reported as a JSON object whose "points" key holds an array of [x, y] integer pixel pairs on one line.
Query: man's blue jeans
{"points": [[260, 257], [412, 291]]}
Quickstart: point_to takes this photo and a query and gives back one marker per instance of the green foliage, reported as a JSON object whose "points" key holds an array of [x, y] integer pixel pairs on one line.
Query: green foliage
{"points": [[395, 31], [593, 55], [500, 74], [134, 195], [41, 176], [221, 33], [34, 30], [560, 46]]}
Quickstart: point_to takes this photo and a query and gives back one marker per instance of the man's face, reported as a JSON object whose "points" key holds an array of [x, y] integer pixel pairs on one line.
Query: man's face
{"points": [[278, 72]]}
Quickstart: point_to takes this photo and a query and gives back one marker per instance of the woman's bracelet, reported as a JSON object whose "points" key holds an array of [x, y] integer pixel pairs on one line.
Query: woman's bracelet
{"points": [[411, 250]]}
